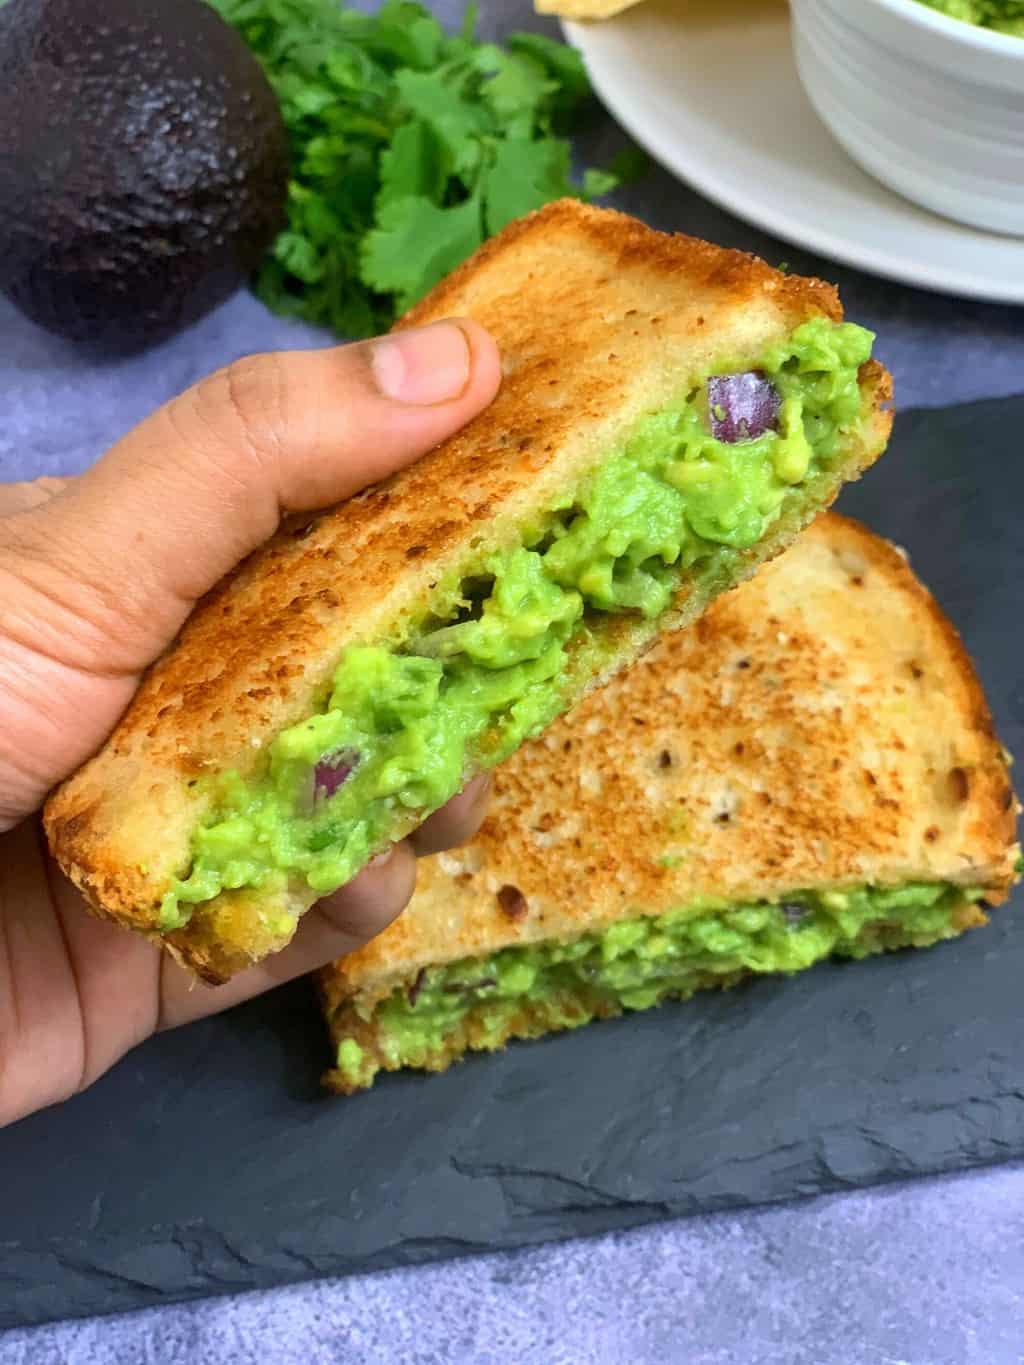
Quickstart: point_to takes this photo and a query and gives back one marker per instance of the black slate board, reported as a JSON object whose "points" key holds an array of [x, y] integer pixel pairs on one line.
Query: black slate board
{"points": [[208, 1161]]}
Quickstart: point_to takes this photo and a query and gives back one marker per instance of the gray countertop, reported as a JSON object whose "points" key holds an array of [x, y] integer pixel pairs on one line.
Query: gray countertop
{"points": [[924, 1274]]}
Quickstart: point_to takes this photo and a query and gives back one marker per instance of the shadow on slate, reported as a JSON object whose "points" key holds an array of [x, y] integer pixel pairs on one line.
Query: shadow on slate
{"points": [[209, 1162]]}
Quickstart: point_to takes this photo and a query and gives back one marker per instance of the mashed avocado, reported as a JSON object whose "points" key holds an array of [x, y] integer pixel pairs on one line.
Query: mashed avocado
{"points": [[1004, 16], [399, 724], [636, 963]]}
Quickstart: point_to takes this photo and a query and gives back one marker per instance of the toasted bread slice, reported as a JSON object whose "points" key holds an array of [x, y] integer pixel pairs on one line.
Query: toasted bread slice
{"points": [[584, 9], [818, 729], [601, 323]]}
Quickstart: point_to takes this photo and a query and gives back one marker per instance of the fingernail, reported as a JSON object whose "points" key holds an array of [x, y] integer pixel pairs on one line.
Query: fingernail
{"points": [[428, 365]]}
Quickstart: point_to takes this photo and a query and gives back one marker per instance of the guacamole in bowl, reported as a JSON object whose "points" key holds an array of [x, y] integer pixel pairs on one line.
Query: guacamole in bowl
{"points": [[927, 96], [1002, 16]]}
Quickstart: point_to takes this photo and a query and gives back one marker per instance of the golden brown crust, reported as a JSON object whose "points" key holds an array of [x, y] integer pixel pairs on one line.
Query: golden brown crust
{"points": [[599, 320], [820, 726], [621, 243], [584, 9]]}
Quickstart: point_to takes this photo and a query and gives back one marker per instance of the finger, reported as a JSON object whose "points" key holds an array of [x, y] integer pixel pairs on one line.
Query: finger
{"points": [[176, 504], [41, 1036], [19, 497], [455, 823], [334, 927], [75, 992]]}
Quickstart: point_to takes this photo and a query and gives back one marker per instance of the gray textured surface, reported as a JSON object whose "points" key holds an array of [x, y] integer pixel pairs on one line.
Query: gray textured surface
{"points": [[931, 1274]]}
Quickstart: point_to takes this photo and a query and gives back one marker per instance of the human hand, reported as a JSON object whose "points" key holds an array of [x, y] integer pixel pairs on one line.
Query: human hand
{"points": [[97, 574]]}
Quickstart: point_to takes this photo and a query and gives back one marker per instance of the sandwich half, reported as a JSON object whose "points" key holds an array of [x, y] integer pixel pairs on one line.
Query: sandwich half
{"points": [[809, 771], [671, 415]]}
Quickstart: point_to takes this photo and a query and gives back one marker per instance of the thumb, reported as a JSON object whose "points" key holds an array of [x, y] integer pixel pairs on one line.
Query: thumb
{"points": [[127, 549], [97, 580]]}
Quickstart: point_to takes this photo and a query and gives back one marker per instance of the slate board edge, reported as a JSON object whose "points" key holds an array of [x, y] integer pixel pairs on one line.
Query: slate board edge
{"points": [[427, 1251]]}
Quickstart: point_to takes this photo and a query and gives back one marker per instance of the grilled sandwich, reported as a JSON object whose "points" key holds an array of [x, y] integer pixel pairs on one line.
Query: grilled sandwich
{"points": [[671, 415], [808, 771]]}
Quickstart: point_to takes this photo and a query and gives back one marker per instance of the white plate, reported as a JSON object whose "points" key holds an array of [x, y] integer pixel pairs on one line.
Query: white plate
{"points": [[709, 87]]}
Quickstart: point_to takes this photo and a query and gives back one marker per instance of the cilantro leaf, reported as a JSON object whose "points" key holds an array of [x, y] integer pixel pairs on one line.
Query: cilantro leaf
{"points": [[456, 121], [624, 169], [415, 164], [516, 92], [405, 35], [299, 257], [596, 183], [562, 63], [631, 165], [415, 244], [407, 144], [523, 176]]}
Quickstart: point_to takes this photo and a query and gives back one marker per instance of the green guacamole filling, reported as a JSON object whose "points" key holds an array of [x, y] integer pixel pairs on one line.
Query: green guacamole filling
{"points": [[1003, 16], [636, 963], [489, 669]]}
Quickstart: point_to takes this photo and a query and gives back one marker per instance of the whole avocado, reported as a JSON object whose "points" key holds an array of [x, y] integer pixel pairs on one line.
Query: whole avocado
{"points": [[143, 165]]}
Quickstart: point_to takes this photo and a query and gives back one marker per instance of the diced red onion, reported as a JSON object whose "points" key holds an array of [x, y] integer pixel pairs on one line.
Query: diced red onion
{"points": [[334, 770], [413, 993], [742, 406]]}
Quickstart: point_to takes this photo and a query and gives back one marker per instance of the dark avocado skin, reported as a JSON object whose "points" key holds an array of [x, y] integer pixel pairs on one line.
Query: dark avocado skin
{"points": [[143, 165]]}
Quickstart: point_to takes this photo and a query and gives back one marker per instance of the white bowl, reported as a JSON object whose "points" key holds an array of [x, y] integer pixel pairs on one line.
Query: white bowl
{"points": [[931, 106]]}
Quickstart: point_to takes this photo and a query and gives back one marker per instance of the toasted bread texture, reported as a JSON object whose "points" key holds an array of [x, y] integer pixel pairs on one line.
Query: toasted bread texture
{"points": [[600, 320], [584, 9], [820, 727]]}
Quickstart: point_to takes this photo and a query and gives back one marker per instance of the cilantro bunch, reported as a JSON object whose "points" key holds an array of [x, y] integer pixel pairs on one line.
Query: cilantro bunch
{"points": [[409, 146]]}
